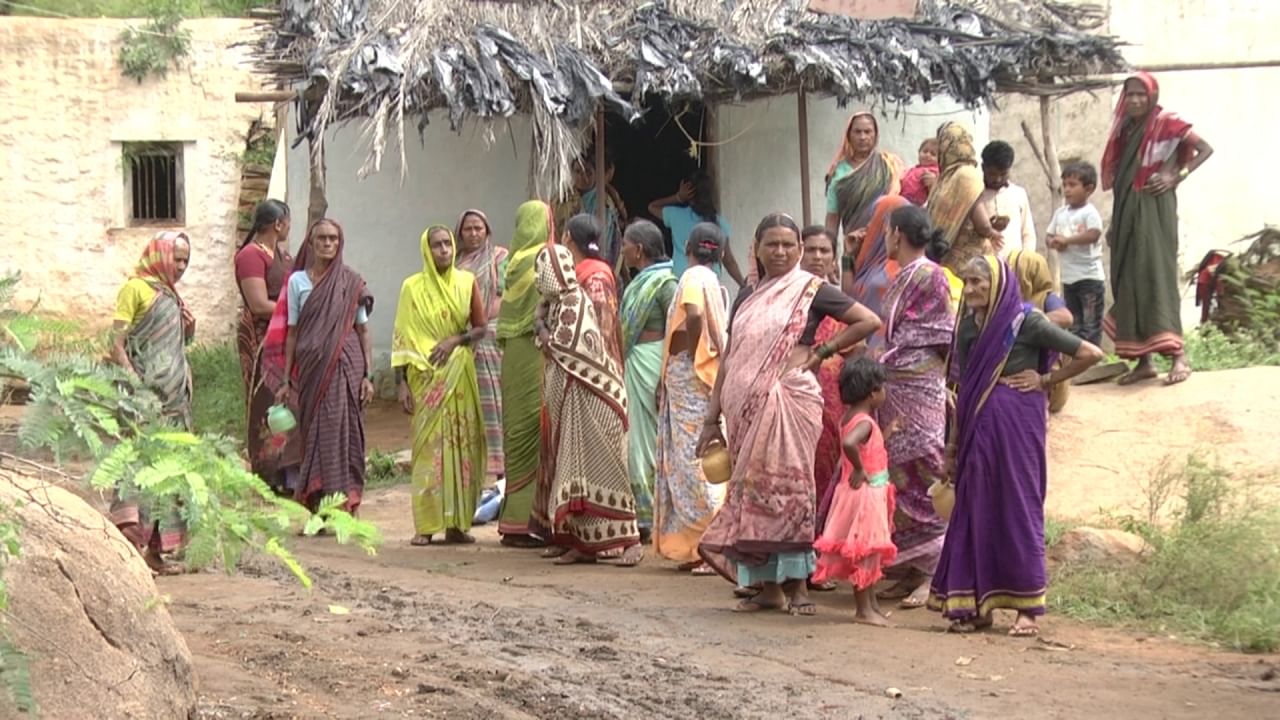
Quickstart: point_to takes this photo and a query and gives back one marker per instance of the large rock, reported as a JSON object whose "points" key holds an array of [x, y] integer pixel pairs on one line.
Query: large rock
{"points": [[1097, 546], [85, 611]]}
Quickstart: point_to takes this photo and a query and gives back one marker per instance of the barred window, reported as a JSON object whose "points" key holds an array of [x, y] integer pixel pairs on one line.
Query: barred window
{"points": [[153, 181]]}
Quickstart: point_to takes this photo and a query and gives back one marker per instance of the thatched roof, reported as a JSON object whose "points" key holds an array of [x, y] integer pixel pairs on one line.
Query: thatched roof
{"points": [[387, 60]]}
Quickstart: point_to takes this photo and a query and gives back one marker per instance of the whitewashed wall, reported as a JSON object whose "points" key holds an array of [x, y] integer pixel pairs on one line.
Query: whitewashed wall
{"points": [[384, 217], [759, 166]]}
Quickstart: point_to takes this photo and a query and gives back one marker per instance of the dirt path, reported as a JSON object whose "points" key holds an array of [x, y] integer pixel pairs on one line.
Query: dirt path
{"points": [[487, 632]]}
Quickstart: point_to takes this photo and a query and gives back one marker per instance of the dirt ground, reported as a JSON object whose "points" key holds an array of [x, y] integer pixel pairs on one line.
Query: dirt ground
{"points": [[486, 632]]}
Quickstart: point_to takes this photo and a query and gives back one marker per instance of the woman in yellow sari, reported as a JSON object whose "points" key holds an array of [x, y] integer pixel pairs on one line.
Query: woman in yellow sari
{"points": [[954, 204], [439, 318]]}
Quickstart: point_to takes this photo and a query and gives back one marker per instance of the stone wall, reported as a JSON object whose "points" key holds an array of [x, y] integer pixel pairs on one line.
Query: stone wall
{"points": [[67, 112]]}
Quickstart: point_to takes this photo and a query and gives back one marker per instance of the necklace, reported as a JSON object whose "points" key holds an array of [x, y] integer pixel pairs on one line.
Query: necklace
{"points": [[268, 250]]}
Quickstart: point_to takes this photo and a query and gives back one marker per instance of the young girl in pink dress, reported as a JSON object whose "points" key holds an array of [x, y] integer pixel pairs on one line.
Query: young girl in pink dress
{"points": [[856, 543]]}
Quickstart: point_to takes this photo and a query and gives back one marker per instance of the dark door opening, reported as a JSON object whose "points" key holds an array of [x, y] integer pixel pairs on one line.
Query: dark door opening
{"points": [[652, 156]]}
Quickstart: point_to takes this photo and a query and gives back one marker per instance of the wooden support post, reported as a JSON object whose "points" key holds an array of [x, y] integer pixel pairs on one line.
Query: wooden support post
{"points": [[1054, 170], [265, 96], [602, 192], [802, 120], [318, 204]]}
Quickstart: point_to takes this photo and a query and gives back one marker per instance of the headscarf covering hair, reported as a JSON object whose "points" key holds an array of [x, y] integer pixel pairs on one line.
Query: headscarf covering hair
{"points": [[960, 182], [1035, 280], [845, 152], [433, 304], [488, 229], [1162, 135], [535, 229], [158, 266]]}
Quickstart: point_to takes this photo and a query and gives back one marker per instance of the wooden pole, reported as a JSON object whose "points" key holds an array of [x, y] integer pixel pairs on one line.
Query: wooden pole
{"points": [[802, 120], [265, 96], [319, 205], [1054, 170], [602, 193]]}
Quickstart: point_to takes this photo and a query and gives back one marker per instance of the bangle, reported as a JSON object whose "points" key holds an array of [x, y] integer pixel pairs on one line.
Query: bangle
{"points": [[1184, 172], [1046, 381], [846, 262], [465, 339], [825, 351]]}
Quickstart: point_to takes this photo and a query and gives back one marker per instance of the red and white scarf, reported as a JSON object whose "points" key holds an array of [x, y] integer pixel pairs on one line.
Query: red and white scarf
{"points": [[1162, 136]]}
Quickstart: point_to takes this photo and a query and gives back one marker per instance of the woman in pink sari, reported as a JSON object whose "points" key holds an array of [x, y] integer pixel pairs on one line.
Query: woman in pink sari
{"points": [[772, 408]]}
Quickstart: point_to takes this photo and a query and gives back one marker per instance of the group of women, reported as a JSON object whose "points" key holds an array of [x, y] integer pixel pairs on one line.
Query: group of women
{"points": [[595, 401]]}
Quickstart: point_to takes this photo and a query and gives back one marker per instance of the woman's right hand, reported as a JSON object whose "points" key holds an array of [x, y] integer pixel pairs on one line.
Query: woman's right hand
{"points": [[711, 435], [853, 242], [544, 341], [949, 462], [406, 398], [282, 394]]}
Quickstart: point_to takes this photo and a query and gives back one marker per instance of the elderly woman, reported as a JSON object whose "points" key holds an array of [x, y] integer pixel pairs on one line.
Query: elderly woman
{"points": [[772, 407], [693, 348], [439, 318], [919, 321], [584, 504], [644, 320], [522, 374], [328, 358], [261, 266], [955, 205], [150, 330], [1149, 153], [487, 262], [993, 555]]}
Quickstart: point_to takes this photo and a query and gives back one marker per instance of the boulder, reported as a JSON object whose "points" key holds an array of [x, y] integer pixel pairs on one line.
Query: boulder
{"points": [[85, 611], [1097, 546]]}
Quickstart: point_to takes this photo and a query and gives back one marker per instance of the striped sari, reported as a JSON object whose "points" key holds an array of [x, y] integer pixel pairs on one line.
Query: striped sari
{"points": [[640, 302], [953, 196], [488, 265]]}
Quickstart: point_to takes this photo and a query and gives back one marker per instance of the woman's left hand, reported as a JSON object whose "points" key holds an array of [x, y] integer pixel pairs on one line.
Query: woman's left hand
{"points": [[188, 324], [366, 391], [1162, 182], [1025, 381], [441, 352]]}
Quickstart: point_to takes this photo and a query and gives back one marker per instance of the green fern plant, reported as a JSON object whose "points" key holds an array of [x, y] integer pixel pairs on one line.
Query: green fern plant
{"points": [[15, 671]]}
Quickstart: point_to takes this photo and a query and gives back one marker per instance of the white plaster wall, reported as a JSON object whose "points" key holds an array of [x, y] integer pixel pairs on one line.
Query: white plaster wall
{"points": [[384, 215], [66, 111], [759, 166]]}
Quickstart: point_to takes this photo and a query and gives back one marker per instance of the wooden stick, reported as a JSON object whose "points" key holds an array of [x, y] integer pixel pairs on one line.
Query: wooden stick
{"points": [[602, 193], [802, 119], [254, 96], [318, 205], [1055, 177]]}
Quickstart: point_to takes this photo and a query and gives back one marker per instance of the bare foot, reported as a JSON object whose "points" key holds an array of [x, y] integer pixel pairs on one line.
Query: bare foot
{"points": [[873, 617], [970, 625], [573, 557], [554, 551], [1180, 371], [420, 540], [1144, 370], [458, 537]]}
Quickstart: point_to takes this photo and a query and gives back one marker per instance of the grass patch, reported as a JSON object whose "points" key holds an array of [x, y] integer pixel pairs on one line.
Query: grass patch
{"points": [[1213, 573], [382, 471], [217, 401]]}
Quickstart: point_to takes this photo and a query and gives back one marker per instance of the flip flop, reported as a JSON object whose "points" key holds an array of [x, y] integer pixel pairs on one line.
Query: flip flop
{"points": [[458, 537], [1024, 631], [967, 627], [523, 542], [745, 592], [554, 551], [631, 557], [689, 566], [573, 557], [823, 587], [752, 605], [802, 609], [421, 540], [703, 570]]}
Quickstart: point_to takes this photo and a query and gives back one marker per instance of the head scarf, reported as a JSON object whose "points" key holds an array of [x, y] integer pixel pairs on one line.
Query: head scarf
{"points": [[158, 266], [1162, 135], [845, 152], [576, 343], [535, 229], [434, 304], [960, 183], [1035, 280], [858, 189]]}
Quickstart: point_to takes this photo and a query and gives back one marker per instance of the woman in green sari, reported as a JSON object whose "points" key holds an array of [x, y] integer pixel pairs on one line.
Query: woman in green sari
{"points": [[439, 319], [522, 373], [644, 321], [151, 329], [1150, 152]]}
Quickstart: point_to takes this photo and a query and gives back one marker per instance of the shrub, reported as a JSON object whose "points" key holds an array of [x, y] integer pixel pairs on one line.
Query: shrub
{"points": [[217, 401]]}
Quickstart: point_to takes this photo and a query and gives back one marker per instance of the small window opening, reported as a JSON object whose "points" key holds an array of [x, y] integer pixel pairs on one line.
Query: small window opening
{"points": [[153, 178]]}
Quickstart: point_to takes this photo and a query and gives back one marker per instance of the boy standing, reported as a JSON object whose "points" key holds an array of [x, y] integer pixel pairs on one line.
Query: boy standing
{"points": [[1076, 232]]}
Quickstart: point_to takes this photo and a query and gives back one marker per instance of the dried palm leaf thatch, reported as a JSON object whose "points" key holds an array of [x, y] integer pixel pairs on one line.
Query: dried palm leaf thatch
{"points": [[558, 60]]}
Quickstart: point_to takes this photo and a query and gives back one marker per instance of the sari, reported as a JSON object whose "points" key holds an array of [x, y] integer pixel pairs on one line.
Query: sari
{"points": [[487, 265], [765, 530], [448, 428], [829, 451], [993, 555], [1145, 316], [521, 378], [919, 323], [874, 270], [156, 345], [328, 369], [597, 280], [267, 458], [954, 194], [643, 300], [1035, 282], [685, 502], [584, 498], [853, 190]]}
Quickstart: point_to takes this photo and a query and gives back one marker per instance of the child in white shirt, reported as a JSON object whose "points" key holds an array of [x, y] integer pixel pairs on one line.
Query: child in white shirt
{"points": [[1076, 232]]}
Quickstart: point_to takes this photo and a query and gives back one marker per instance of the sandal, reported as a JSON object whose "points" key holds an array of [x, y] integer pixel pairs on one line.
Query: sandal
{"points": [[967, 627], [573, 557], [523, 542], [554, 551], [917, 599], [420, 540], [829, 586], [804, 608], [703, 570], [631, 557], [1024, 626], [753, 605], [458, 537], [745, 592]]}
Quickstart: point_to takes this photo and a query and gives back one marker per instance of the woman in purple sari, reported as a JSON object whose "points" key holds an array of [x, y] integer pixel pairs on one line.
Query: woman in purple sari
{"points": [[918, 325], [993, 555]]}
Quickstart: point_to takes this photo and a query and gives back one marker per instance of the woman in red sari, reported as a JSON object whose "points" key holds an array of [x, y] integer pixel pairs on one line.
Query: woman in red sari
{"points": [[327, 358], [772, 410], [582, 235]]}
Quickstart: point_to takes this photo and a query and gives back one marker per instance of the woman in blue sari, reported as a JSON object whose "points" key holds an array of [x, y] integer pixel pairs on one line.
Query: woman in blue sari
{"points": [[993, 554], [644, 324]]}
